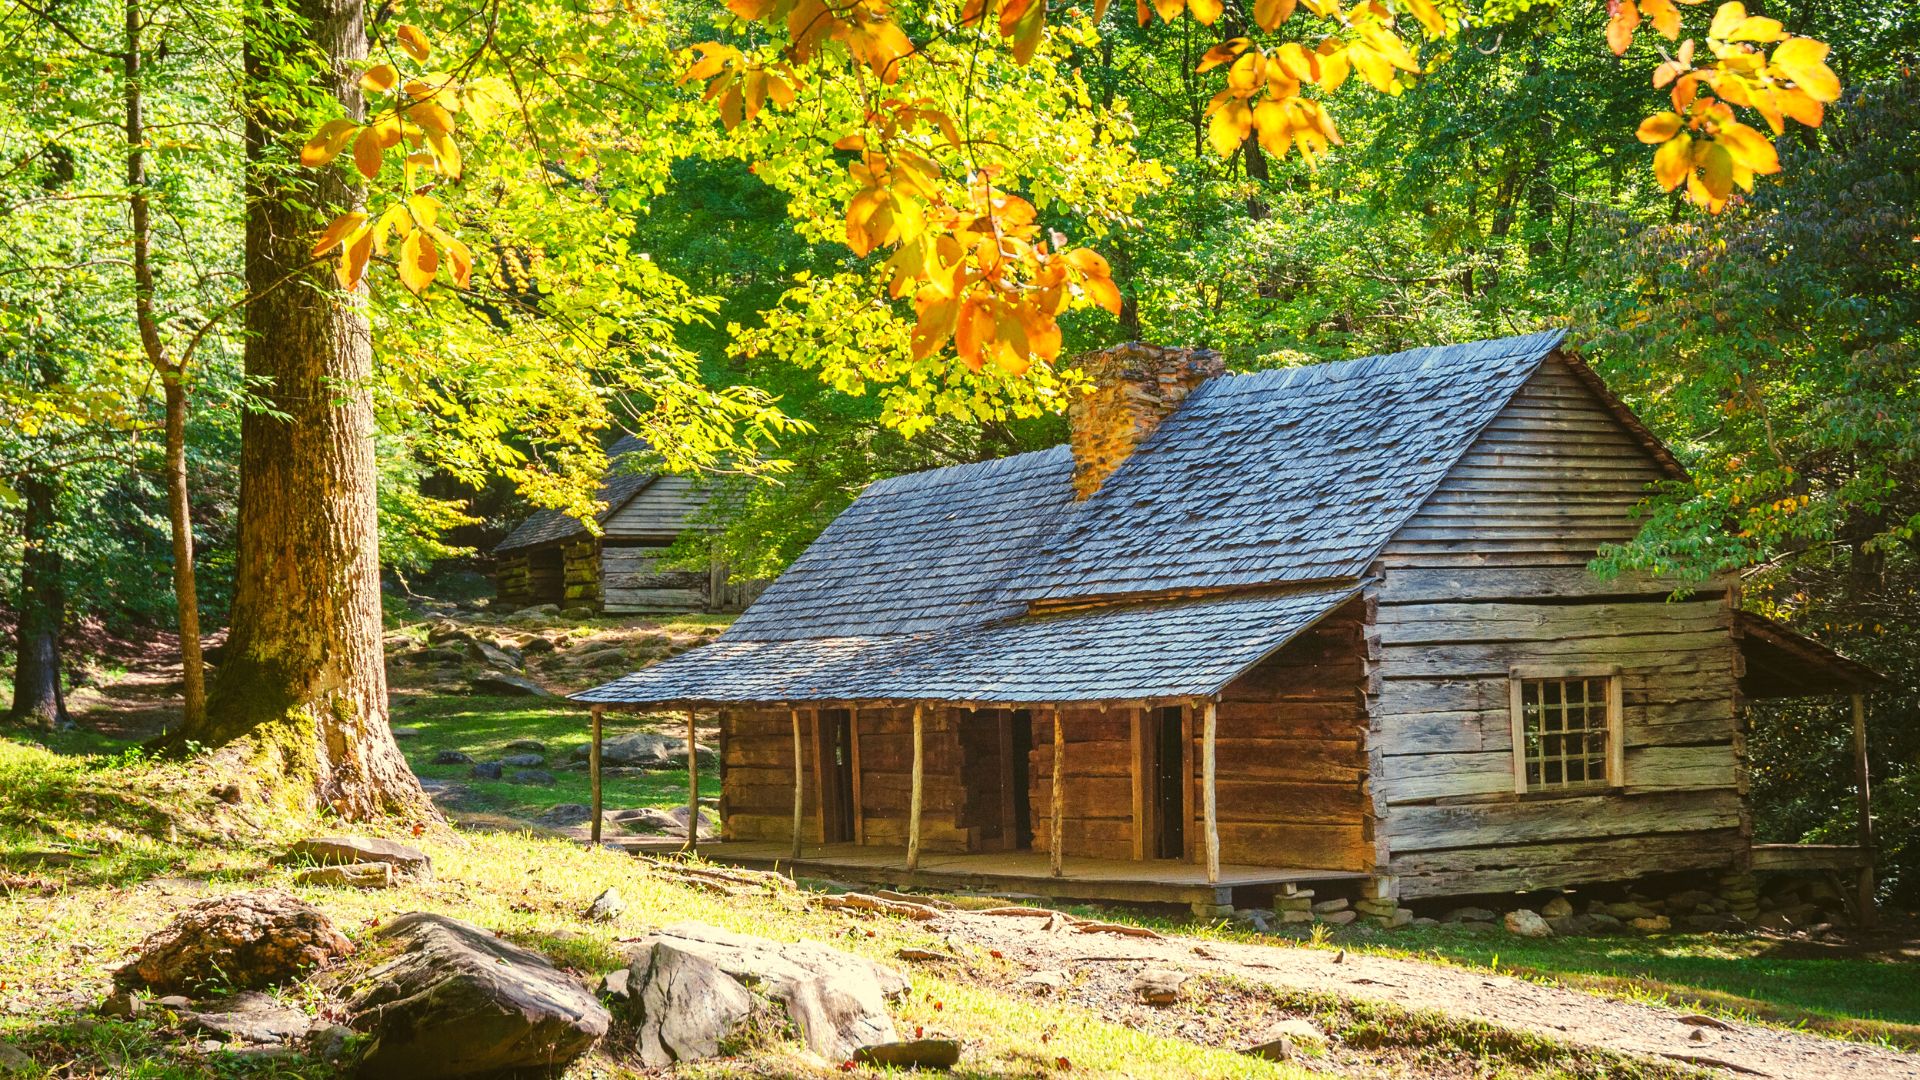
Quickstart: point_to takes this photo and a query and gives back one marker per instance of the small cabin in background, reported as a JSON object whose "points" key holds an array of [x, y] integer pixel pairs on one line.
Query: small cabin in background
{"points": [[551, 558]]}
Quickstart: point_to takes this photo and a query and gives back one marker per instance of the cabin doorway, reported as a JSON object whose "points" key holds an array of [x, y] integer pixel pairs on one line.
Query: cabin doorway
{"points": [[1162, 778], [834, 763], [995, 745]]}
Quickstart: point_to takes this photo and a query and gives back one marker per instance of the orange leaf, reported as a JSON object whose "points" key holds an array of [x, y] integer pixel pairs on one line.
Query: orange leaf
{"points": [[461, 259], [1621, 25], [413, 42], [1673, 161], [1269, 14], [337, 230], [353, 258], [1206, 12], [419, 262], [327, 142], [1804, 60], [379, 79], [1659, 127], [366, 152]]}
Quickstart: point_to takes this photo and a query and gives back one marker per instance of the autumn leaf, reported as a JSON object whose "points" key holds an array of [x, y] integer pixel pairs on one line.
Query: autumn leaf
{"points": [[1269, 14], [1206, 12], [1804, 60], [353, 257], [413, 42], [327, 142], [367, 153], [1659, 127], [379, 79], [338, 230], [1623, 19], [419, 262], [1673, 161]]}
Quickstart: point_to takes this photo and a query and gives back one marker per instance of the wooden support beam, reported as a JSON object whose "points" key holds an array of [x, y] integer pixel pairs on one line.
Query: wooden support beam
{"points": [[915, 792], [593, 773], [1210, 723], [693, 789], [1137, 765], [1056, 828], [1863, 798], [799, 785]]}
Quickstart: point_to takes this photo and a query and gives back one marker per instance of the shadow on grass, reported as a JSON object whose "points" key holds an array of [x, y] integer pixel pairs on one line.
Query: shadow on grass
{"points": [[142, 1050]]}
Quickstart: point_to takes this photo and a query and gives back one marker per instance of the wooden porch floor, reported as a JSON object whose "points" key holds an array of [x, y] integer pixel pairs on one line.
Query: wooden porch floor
{"points": [[1024, 872]]}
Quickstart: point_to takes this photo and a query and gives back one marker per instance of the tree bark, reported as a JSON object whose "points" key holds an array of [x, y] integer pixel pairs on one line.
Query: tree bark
{"points": [[38, 699], [303, 678]]}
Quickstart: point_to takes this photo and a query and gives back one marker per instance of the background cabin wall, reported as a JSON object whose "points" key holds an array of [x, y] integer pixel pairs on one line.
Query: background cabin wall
{"points": [[1098, 823], [1291, 765], [512, 580], [1492, 573]]}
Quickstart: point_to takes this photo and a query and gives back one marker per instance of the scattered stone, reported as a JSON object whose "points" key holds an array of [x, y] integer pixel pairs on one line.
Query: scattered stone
{"points": [[121, 1003], [527, 746], [653, 821], [1339, 918], [250, 1016], [650, 750], [459, 1002], [1468, 914], [344, 850], [530, 776], [1295, 917], [1327, 907], [1286, 1040], [493, 656], [405, 732], [431, 657], [332, 1042], [242, 941], [523, 761], [1159, 985], [1045, 982], [452, 757], [15, 1060], [1528, 924], [488, 770], [940, 1054], [502, 683], [1627, 910], [565, 815], [537, 645], [1400, 917], [354, 876], [443, 630], [607, 906], [1651, 924], [1380, 906], [227, 793], [613, 985], [1599, 922], [684, 1006], [1557, 908]]}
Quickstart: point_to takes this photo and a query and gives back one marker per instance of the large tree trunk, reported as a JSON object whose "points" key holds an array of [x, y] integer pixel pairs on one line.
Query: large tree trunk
{"points": [[302, 677], [37, 696]]}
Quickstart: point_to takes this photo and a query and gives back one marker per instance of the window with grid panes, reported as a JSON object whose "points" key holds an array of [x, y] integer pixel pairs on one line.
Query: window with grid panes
{"points": [[1565, 728]]}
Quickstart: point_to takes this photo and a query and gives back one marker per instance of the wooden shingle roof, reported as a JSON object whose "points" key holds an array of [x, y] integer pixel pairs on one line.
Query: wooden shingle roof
{"points": [[1269, 494], [620, 485]]}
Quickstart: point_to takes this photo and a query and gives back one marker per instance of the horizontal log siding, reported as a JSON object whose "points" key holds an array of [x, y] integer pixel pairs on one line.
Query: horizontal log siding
{"points": [[1098, 787], [1491, 573], [660, 511], [756, 777]]}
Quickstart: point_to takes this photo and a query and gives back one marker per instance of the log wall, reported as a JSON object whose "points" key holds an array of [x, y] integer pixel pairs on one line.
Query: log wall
{"points": [[1492, 573]]}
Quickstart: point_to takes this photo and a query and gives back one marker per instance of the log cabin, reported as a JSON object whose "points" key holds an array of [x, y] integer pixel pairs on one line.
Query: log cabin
{"points": [[1247, 633], [553, 558]]}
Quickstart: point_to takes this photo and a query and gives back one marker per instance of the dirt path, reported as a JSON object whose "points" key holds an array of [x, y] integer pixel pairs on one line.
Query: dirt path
{"points": [[1102, 965]]}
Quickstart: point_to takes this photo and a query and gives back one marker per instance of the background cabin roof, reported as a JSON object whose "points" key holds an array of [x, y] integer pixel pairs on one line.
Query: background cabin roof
{"points": [[617, 489]]}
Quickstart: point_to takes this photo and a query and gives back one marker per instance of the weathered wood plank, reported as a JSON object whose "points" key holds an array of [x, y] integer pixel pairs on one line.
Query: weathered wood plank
{"points": [[1531, 866], [1535, 820]]}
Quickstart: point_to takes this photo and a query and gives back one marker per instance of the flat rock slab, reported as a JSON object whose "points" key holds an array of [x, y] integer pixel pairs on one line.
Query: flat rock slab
{"points": [[460, 1002], [251, 1016], [352, 876], [685, 1007], [346, 850], [511, 686], [242, 941]]}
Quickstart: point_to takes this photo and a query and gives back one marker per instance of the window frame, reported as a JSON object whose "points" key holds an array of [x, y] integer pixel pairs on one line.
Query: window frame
{"points": [[1616, 759]]}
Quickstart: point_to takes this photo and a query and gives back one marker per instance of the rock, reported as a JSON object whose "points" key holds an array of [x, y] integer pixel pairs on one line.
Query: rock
{"points": [[121, 1003], [565, 815], [683, 1006], [607, 906], [1528, 924], [1400, 917], [1044, 982], [1651, 924], [493, 656], [332, 1042], [459, 1002], [939, 1054], [405, 732], [1295, 917], [653, 751], [1557, 908], [1286, 1040], [537, 645], [431, 657], [1599, 922], [1159, 985], [837, 1014], [14, 1060], [1627, 910], [242, 941], [1564, 925], [227, 793], [502, 683], [356, 876], [251, 1016], [527, 746], [1327, 907], [1468, 914], [523, 761], [443, 630], [653, 821], [530, 776], [1339, 918], [488, 770], [343, 850], [614, 984], [1374, 907], [452, 757]]}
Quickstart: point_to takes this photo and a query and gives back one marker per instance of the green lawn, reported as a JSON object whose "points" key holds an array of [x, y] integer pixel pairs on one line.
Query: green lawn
{"points": [[483, 726]]}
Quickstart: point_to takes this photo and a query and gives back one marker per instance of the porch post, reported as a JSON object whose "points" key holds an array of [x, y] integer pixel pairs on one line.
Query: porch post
{"points": [[593, 774], [693, 789], [1863, 797], [799, 781], [1210, 722], [1056, 831], [913, 803]]}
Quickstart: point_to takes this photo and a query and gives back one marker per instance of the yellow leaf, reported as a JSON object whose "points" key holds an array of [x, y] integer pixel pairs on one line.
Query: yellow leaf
{"points": [[1664, 16], [1222, 53], [430, 116], [1750, 149], [419, 262], [461, 259], [1269, 14], [1659, 127], [338, 230], [1429, 16], [446, 152], [1169, 9], [396, 217], [413, 42], [1334, 66], [1799, 105], [1373, 67], [1804, 60], [366, 152], [353, 258], [1727, 19], [1296, 61], [327, 142], [1756, 28], [1206, 11], [1673, 161], [1716, 169], [379, 79], [1229, 127]]}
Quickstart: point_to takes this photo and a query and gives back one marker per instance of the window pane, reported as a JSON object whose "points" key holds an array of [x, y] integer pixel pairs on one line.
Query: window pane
{"points": [[1564, 732]]}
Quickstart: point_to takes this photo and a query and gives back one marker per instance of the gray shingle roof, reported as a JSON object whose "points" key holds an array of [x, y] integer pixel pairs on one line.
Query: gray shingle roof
{"points": [[1280, 479], [1131, 653], [549, 526]]}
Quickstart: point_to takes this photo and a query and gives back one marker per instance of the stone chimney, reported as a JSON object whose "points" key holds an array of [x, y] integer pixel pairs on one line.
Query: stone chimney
{"points": [[1135, 387]]}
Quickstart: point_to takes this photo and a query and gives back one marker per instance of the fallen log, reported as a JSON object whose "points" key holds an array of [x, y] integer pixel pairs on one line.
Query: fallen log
{"points": [[865, 902]]}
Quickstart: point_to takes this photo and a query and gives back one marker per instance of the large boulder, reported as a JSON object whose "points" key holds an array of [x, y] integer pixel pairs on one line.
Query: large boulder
{"points": [[503, 683], [654, 821], [347, 850], [649, 750], [458, 1001], [684, 1006], [242, 941]]}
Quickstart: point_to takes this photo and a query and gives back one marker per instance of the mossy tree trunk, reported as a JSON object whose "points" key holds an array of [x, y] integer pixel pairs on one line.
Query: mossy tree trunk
{"points": [[302, 682], [37, 696]]}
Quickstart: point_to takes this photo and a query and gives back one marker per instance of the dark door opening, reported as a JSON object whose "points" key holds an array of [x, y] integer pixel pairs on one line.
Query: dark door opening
{"points": [[1020, 760], [1166, 775], [835, 765]]}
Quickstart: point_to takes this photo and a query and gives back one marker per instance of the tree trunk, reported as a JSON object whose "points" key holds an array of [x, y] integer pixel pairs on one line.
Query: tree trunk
{"points": [[302, 676], [37, 697], [173, 375]]}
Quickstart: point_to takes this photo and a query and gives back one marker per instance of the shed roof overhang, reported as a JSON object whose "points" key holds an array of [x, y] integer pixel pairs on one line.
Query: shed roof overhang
{"points": [[1782, 663], [1136, 654]]}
